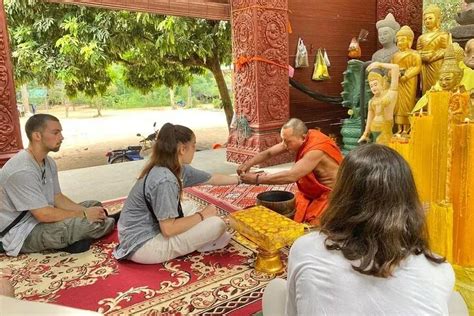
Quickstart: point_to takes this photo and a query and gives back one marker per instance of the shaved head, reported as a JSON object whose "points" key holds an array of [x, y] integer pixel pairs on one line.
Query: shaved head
{"points": [[298, 126]]}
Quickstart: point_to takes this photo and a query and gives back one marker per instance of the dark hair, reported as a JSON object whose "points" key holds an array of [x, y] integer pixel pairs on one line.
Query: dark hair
{"points": [[165, 150], [374, 213], [37, 123]]}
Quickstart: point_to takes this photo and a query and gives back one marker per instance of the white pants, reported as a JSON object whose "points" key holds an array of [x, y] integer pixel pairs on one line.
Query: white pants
{"points": [[274, 298], [160, 249]]}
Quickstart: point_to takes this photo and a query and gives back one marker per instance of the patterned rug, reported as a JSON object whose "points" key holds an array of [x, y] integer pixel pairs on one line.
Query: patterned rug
{"points": [[215, 283], [234, 197]]}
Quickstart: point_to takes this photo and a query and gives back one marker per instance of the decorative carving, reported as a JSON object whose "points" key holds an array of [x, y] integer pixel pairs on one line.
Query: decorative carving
{"points": [[10, 137], [261, 88], [406, 12], [240, 152]]}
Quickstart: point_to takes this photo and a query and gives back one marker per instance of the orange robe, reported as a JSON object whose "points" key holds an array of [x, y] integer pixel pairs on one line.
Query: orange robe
{"points": [[312, 196]]}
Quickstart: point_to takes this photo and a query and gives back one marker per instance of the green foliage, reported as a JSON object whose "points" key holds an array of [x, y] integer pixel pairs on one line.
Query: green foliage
{"points": [[449, 9], [79, 45]]}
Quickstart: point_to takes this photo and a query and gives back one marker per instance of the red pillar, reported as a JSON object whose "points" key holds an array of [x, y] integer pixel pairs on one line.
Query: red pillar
{"points": [[406, 12], [10, 135], [259, 28]]}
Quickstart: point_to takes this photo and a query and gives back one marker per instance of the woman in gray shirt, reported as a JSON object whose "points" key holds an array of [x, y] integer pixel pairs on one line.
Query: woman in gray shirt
{"points": [[152, 227]]}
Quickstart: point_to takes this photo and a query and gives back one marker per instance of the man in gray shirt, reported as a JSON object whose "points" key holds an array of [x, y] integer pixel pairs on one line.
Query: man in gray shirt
{"points": [[34, 214]]}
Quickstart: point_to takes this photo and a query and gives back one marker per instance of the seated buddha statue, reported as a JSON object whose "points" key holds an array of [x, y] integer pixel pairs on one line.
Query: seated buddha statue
{"points": [[409, 62], [431, 46], [380, 113]]}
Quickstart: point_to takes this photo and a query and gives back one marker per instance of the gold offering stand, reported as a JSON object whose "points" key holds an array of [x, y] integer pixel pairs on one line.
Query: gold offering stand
{"points": [[270, 231]]}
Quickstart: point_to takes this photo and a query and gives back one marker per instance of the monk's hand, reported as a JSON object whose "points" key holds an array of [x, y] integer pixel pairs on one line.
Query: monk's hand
{"points": [[243, 168], [249, 177]]}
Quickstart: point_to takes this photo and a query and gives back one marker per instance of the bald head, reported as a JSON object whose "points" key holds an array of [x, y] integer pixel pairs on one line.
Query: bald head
{"points": [[469, 57], [298, 127]]}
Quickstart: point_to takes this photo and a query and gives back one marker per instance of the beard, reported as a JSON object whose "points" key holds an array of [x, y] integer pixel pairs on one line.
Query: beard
{"points": [[55, 149]]}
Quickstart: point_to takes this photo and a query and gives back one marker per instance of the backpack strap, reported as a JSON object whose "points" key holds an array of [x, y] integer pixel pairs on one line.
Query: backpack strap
{"points": [[150, 208], [12, 224]]}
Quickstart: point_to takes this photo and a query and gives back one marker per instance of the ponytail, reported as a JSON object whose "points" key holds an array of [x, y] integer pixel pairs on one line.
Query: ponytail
{"points": [[165, 149]]}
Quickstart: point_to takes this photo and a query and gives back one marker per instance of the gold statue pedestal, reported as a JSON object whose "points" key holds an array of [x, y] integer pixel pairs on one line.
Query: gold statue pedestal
{"points": [[270, 231], [269, 262]]}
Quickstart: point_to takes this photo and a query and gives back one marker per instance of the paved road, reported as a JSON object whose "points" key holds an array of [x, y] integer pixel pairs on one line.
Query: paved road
{"points": [[88, 138]]}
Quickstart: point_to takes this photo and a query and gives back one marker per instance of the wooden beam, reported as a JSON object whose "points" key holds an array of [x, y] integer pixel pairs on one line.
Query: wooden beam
{"points": [[206, 9]]}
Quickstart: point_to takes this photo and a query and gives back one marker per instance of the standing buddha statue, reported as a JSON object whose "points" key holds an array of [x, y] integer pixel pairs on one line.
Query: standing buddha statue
{"points": [[380, 114], [409, 62], [431, 46]]}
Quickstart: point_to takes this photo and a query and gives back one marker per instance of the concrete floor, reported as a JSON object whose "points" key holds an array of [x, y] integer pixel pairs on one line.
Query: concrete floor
{"points": [[109, 182]]}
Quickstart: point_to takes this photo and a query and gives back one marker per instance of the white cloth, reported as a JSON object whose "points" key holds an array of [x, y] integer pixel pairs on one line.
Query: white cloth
{"points": [[322, 282]]}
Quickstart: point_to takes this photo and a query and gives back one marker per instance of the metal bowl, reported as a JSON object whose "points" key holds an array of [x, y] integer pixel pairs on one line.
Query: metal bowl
{"points": [[282, 202]]}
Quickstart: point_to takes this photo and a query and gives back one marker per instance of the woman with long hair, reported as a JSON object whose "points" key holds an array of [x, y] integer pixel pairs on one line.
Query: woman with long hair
{"points": [[152, 227], [371, 254]]}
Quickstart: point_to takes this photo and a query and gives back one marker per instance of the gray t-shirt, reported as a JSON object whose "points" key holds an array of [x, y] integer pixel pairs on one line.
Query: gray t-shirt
{"points": [[23, 187], [136, 224]]}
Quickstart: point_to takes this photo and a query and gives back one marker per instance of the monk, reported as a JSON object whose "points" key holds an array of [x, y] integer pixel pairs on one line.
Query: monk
{"points": [[314, 171], [431, 46]]}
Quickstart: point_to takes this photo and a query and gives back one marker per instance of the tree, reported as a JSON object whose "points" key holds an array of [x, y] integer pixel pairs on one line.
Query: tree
{"points": [[78, 44]]}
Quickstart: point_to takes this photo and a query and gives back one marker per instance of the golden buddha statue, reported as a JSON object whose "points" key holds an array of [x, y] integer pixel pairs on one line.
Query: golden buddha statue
{"points": [[465, 61], [380, 113], [409, 62], [450, 79], [431, 46]]}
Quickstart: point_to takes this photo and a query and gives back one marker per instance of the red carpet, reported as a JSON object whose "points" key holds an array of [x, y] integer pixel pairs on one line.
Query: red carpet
{"points": [[216, 283], [234, 197]]}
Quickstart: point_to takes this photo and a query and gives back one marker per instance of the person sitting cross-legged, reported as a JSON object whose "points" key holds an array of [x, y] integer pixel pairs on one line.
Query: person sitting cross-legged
{"points": [[153, 227], [34, 214]]}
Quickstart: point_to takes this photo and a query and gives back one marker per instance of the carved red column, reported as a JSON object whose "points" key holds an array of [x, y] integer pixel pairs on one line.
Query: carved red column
{"points": [[10, 135], [406, 12], [259, 28]]}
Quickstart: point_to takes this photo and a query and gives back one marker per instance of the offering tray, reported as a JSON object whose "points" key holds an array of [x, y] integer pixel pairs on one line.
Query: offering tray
{"points": [[270, 231]]}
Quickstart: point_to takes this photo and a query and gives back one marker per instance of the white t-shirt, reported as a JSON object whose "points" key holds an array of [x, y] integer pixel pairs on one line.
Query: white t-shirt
{"points": [[322, 282]]}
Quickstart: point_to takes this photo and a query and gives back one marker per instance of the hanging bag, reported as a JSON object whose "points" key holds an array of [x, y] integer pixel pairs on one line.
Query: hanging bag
{"points": [[301, 59], [320, 68]]}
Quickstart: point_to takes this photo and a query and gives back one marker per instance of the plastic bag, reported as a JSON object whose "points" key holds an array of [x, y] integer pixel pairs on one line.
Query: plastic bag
{"points": [[301, 59], [326, 58], [320, 68]]}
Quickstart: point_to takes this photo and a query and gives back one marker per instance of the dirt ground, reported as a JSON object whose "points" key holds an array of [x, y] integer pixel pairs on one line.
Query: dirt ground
{"points": [[88, 138]]}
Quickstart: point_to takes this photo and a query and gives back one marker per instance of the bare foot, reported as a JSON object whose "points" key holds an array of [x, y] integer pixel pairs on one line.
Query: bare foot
{"points": [[6, 288]]}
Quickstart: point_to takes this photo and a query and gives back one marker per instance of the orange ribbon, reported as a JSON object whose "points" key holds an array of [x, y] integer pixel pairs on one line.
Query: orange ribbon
{"points": [[243, 60]]}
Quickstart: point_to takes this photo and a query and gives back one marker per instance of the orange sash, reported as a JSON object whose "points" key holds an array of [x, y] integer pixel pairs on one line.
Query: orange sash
{"points": [[312, 198]]}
